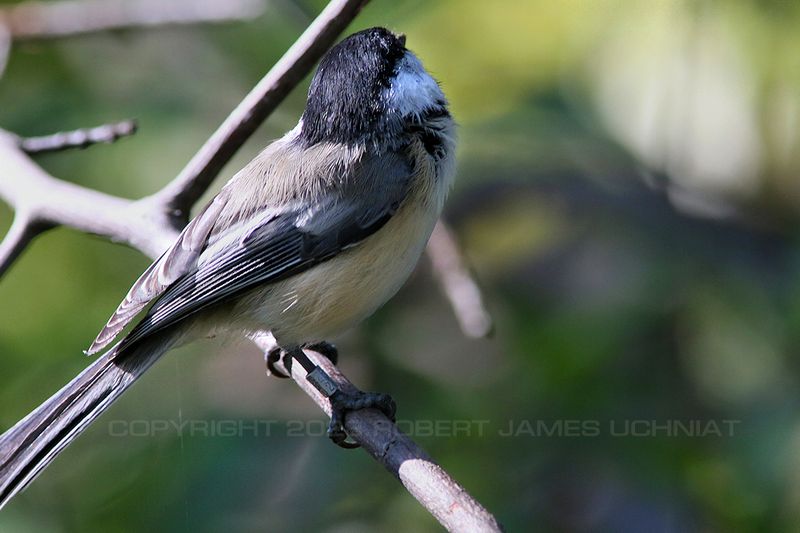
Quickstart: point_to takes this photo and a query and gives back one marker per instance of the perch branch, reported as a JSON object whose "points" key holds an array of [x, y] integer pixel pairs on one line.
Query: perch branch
{"points": [[80, 138], [428, 482], [150, 225], [49, 20]]}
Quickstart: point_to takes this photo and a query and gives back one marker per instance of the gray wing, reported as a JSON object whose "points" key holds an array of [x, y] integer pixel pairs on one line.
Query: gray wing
{"points": [[285, 243], [181, 258]]}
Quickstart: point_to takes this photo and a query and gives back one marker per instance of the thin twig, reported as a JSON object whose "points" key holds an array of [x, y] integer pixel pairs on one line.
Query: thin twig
{"points": [[5, 47], [459, 286], [48, 20], [80, 138], [180, 194], [23, 230]]}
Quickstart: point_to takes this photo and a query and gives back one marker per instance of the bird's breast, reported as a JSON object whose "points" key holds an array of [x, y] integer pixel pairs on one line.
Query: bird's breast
{"points": [[337, 294], [342, 291]]}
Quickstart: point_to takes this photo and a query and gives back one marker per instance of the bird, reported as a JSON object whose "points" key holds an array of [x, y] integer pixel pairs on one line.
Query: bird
{"points": [[308, 239]]}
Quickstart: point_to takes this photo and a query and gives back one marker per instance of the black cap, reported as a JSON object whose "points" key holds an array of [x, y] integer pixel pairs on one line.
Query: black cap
{"points": [[345, 100]]}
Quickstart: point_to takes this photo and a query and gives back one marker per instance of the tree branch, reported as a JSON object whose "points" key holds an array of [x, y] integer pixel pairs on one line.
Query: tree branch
{"points": [[48, 20], [180, 194], [51, 202], [80, 138], [23, 230], [5, 48], [450, 267]]}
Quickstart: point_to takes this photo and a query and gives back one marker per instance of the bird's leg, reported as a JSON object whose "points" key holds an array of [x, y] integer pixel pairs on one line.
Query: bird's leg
{"points": [[342, 402], [276, 354]]}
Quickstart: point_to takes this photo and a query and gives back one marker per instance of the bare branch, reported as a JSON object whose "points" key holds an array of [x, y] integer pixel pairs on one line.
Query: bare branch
{"points": [[30, 190], [295, 64], [461, 289], [80, 138], [428, 482], [23, 230], [47, 20], [5, 48]]}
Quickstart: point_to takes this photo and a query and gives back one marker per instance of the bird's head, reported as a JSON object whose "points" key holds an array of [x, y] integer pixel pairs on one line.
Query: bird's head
{"points": [[369, 87]]}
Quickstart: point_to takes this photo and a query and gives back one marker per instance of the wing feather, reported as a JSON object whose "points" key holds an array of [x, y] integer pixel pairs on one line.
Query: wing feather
{"points": [[179, 259]]}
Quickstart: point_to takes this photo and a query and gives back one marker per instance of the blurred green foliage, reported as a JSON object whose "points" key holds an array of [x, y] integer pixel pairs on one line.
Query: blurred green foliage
{"points": [[628, 194]]}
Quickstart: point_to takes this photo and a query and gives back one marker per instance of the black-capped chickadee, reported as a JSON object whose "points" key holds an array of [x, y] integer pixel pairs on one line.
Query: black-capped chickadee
{"points": [[308, 239]]}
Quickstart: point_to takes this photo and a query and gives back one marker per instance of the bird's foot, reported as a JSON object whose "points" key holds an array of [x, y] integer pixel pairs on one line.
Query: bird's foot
{"points": [[278, 354], [343, 402]]}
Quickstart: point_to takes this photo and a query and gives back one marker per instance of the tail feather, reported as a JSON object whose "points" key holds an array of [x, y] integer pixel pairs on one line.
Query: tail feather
{"points": [[34, 442]]}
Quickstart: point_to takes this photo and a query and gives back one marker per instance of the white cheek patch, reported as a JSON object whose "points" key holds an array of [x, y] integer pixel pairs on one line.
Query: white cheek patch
{"points": [[413, 90]]}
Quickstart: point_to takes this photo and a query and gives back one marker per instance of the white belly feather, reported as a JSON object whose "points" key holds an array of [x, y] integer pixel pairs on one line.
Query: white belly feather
{"points": [[343, 291]]}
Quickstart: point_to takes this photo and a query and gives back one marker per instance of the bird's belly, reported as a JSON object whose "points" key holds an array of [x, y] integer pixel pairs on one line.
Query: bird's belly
{"points": [[337, 294]]}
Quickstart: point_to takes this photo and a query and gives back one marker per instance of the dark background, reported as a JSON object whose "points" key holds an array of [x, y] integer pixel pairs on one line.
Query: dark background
{"points": [[628, 195]]}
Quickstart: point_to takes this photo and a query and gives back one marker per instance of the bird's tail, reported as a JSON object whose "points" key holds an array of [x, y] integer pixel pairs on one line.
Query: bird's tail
{"points": [[34, 442]]}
